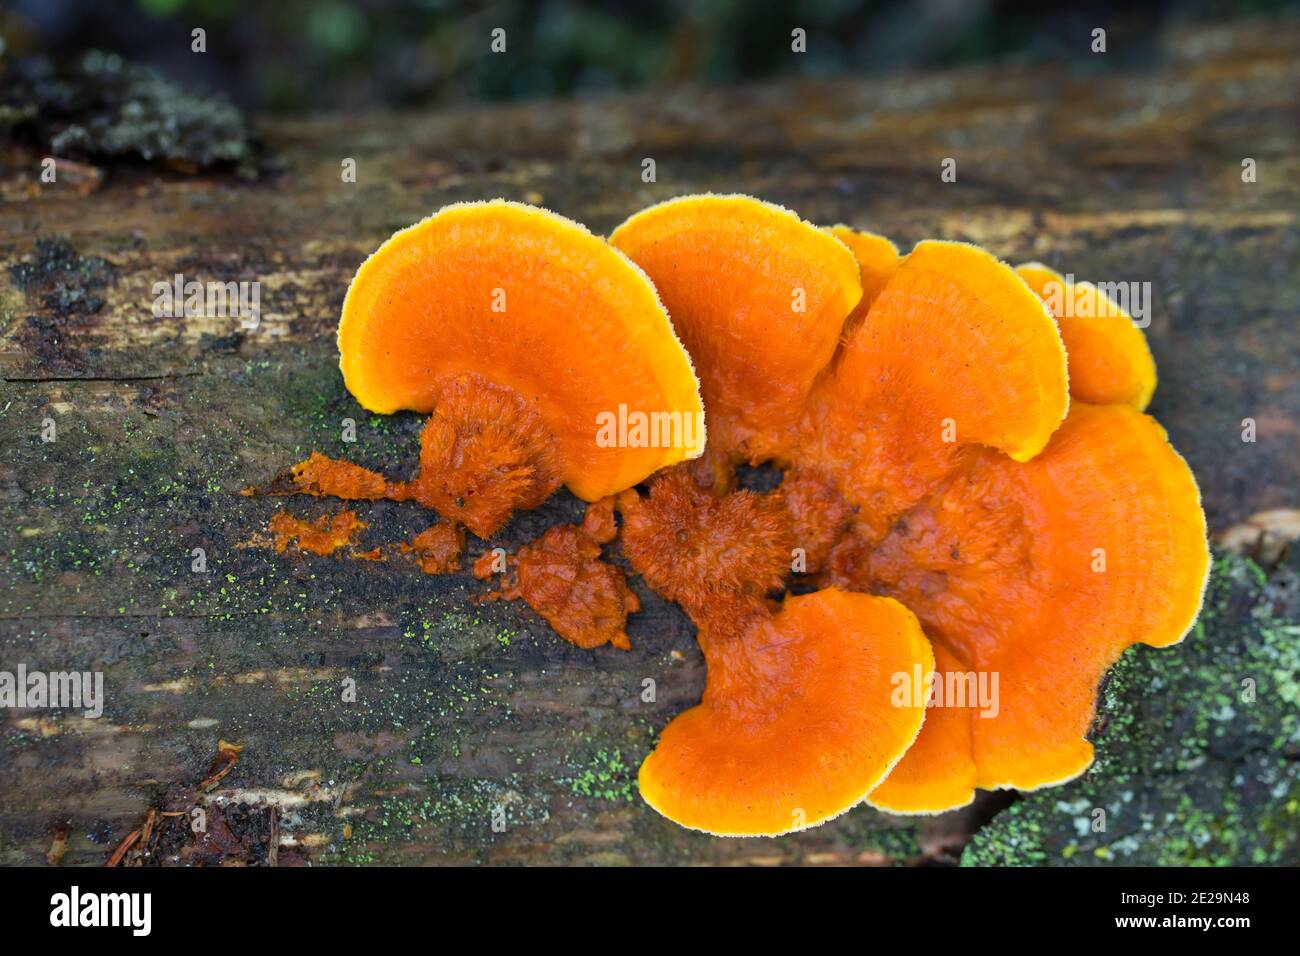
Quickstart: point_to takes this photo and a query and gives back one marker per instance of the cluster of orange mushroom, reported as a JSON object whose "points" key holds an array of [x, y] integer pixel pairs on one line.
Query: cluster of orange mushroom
{"points": [[969, 485]]}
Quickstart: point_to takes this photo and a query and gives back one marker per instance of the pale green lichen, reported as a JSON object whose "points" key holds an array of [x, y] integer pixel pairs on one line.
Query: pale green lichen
{"points": [[104, 107]]}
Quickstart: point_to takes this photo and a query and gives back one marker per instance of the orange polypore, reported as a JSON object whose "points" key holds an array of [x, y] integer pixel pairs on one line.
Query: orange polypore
{"points": [[795, 725], [758, 297], [1110, 362], [929, 458], [878, 260], [544, 358], [1096, 544], [937, 484], [955, 351], [521, 333]]}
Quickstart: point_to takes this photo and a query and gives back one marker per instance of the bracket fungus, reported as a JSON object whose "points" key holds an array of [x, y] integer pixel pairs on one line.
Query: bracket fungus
{"points": [[877, 262], [544, 358], [1046, 572], [931, 456], [956, 525], [795, 725], [758, 297], [516, 330], [1110, 361]]}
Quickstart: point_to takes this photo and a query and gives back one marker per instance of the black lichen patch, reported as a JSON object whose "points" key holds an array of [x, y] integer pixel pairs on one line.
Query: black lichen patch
{"points": [[64, 282], [104, 108], [67, 289]]}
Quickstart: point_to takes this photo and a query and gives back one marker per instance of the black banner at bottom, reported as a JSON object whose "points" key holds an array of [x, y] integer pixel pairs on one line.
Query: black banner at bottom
{"points": [[332, 906]]}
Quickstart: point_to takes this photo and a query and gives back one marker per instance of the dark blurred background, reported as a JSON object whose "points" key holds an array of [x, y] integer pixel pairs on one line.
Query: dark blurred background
{"points": [[311, 55]]}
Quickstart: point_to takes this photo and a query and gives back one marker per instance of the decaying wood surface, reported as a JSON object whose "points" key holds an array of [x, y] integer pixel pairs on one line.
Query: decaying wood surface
{"points": [[467, 714]]}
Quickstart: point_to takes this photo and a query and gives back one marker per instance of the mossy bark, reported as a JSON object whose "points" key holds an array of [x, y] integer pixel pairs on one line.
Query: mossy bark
{"points": [[1197, 750]]}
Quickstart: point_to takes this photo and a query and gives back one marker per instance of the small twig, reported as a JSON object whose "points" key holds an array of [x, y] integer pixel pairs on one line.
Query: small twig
{"points": [[227, 757], [123, 848]]}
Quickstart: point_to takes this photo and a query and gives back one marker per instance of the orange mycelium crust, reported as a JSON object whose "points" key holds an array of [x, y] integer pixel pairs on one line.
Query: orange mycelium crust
{"points": [[437, 549], [586, 600], [697, 548], [484, 431], [598, 522], [324, 536], [931, 460], [1110, 362], [562, 577]]}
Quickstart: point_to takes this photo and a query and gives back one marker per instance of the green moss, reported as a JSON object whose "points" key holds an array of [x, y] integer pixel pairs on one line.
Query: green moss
{"points": [[467, 815], [606, 776], [1189, 770]]}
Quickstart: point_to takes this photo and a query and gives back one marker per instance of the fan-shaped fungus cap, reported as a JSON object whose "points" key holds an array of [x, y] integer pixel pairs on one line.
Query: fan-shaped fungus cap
{"points": [[993, 533], [878, 260], [1110, 362], [797, 722], [543, 354], [1041, 573], [757, 295], [938, 771], [956, 331], [956, 351]]}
